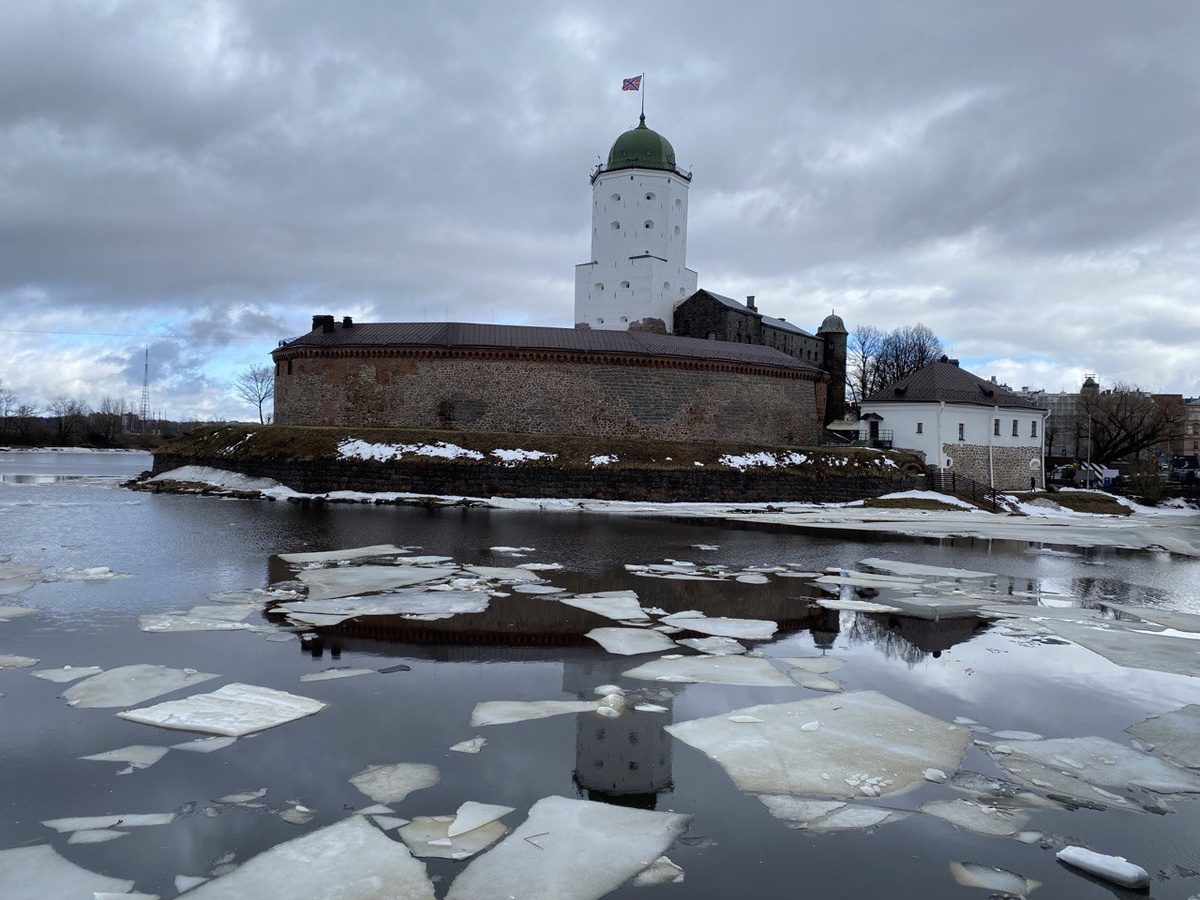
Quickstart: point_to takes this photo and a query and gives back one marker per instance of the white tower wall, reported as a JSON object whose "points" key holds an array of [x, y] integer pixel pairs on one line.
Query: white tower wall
{"points": [[638, 273]]}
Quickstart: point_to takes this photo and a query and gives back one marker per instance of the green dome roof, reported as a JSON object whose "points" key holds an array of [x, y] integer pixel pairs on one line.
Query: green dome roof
{"points": [[641, 148]]}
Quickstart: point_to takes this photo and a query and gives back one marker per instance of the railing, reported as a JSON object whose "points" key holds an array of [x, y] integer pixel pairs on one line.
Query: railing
{"points": [[964, 488]]}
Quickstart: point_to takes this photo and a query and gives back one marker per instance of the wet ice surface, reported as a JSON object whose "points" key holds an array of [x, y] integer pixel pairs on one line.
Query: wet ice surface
{"points": [[987, 633]]}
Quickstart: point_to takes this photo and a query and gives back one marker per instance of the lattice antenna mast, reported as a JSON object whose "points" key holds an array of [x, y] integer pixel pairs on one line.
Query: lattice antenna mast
{"points": [[145, 411]]}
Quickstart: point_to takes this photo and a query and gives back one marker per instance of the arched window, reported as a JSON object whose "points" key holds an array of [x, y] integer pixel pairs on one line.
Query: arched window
{"points": [[649, 195], [599, 321], [624, 284], [677, 231], [666, 285], [624, 318], [599, 286], [678, 204], [616, 226], [647, 224], [616, 198]]}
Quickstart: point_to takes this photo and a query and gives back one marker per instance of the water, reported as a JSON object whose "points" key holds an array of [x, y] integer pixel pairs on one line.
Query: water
{"points": [[67, 511]]}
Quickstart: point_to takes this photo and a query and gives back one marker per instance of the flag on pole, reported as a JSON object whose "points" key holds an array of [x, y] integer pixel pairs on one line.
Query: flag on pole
{"points": [[632, 84]]}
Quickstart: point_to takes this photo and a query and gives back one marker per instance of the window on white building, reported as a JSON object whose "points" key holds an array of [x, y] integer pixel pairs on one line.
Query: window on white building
{"points": [[598, 286], [920, 428], [647, 224], [1033, 428], [624, 284], [616, 198], [996, 428], [962, 431], [649, 196], [1016, 425], [616, 226]]}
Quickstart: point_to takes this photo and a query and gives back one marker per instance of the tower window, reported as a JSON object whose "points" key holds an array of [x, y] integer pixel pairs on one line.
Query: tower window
{"points": [[649, 195], [616, 226], [676, 231], [678, 204], [616, 198], [624, 284], [599, 286], [666, 285], [648, 224]]}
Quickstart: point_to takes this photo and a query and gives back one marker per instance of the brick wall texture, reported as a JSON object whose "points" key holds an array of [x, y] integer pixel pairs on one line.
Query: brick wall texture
{"points": [[550, 393], [1010, 465]]}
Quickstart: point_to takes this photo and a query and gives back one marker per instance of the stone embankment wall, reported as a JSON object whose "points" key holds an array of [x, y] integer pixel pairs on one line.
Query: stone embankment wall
{"points": [[1009, 465], [551, 393], [545, 481]]}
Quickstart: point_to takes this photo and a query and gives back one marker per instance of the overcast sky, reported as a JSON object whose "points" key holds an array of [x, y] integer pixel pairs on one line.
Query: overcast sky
{"points": [[200, 178]]}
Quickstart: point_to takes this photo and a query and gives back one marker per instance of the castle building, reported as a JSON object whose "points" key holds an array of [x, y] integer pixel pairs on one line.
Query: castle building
{"points": [[638, 273]]}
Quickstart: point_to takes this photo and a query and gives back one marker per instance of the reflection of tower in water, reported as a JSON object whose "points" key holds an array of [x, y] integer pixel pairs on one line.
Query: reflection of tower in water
{"points": [[625, 760]]}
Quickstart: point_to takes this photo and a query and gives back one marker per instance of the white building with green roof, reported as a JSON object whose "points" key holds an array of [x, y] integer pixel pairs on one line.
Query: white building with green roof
{"points": [[638, 272]]}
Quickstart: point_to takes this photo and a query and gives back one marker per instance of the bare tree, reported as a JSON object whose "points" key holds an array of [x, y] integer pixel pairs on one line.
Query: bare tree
{"points": [[106, 421], [22, 420], [69, 416], [1124, 421], [8, 406], [256, 385], [861, 370], [878, 358]]}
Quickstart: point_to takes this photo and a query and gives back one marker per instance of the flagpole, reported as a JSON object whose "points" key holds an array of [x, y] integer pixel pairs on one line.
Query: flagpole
{"points": [[643, 93]]}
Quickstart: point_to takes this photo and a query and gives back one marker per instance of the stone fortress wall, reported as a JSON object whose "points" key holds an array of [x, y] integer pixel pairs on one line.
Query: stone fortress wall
{"points": [[549, 393], [1009, 465]]}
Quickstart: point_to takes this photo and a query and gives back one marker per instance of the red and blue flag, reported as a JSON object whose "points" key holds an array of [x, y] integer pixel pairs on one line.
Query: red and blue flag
{"points": [[632, 84]]}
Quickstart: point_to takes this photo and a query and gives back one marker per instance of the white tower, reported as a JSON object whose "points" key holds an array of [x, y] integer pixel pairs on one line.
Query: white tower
{"points": [[638, 273]]}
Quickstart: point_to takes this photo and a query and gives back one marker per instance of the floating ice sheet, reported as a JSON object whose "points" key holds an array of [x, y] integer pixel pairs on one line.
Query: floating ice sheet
{"points": [[127, 685], [630, 641], [502, 573], [234, 710], [17, 662], [332, 674], [862, 737], [352, 860], [569, 850], [751, 670], [339, 555], [427, 836], [347, 581], [98, 836], [90, 823], [715, 646], [1074, 766], [1133, 649], [138, 756], [619, 605], [747, 629], [816, 665], [827, 815], [1176, 735], [441, 604], [14, 612], [661, 871], [162, 623], [1001, 881], [473, 814], [392, 782], [39, 873], [67, 673], [205, 745], [977, 817], [473, 745], [851, 605], [504, 712], [1116, 869], [898, 567]]}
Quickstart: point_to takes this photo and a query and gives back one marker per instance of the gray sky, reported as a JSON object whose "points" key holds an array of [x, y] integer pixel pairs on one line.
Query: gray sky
{"points": [[200, 178]]}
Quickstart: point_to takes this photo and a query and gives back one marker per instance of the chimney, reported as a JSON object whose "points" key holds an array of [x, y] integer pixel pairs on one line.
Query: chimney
{"points": [[347, 322], [317, 322], [750, 303], [993, 379]]}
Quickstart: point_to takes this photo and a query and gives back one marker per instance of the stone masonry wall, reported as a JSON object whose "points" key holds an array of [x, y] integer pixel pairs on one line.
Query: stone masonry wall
{"points": [[490, 480], [686, 400], [1010, 465]]}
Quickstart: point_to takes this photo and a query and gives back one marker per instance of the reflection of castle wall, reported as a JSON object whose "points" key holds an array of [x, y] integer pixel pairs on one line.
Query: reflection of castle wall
{"points": [[911, 638]]}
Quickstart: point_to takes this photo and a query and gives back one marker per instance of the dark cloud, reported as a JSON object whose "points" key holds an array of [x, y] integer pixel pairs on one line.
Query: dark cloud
{"points": [[1018, 176]]}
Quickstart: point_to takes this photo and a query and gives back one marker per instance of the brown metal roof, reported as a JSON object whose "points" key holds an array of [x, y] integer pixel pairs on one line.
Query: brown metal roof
{"points": [[944, 381], [525, 337]]}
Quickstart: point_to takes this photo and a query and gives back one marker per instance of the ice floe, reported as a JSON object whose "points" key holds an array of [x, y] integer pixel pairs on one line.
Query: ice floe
{"points": [[619, 605], [433, 604], [1176, 735], [137, 756], [473, 814], [898, 567], [992, 878], [428, 836], [661, 871], [504, 712], [1116, 869], [630, 641], [978, 817], [348, 581], [233, 710], [205, 745], [747, 629], [323, 556], [1132, 649], [38, 873], [17, 662], [1075, 766], [472, 745], [352, 860], [127, 685], [715, 646], [569, 850], [864, 739], [747, 670], [332, 674], [67, 674], [392, 782], [91, 823]]}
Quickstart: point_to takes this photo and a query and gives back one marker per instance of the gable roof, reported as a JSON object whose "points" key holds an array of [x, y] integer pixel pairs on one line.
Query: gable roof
{"points": [[943, 381], [768, 321], [474, 335]]}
